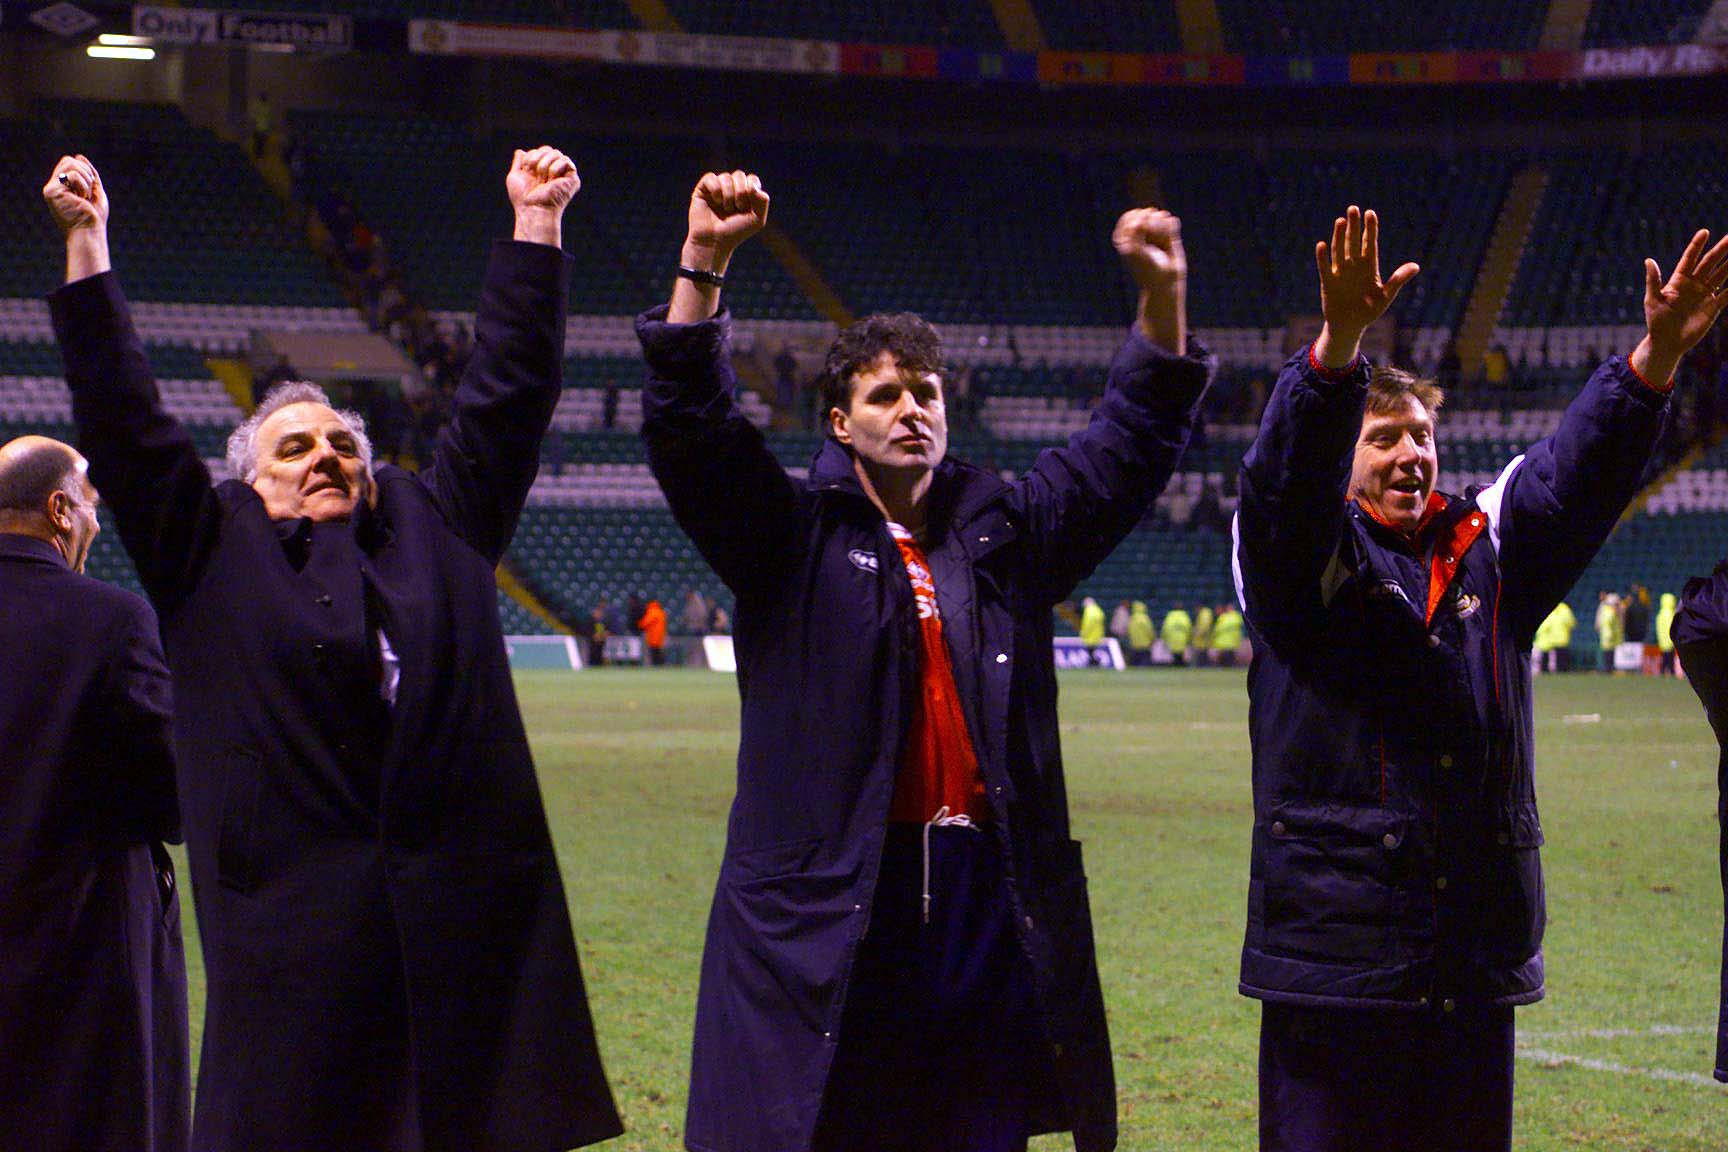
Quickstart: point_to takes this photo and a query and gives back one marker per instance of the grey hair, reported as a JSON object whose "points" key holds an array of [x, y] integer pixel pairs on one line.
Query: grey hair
{"points": [[243, 441]]}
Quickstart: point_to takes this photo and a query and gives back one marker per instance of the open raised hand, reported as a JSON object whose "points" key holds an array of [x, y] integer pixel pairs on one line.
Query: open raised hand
{"points": [[1352, 295], [1681, 310]]}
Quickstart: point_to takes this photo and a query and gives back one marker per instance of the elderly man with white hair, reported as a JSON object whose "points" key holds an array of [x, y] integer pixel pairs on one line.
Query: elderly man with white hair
{"points": [[389, 956]]}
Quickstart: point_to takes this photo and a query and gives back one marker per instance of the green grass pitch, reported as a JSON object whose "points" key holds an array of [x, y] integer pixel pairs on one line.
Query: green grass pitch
{"points": [[636, 768]]}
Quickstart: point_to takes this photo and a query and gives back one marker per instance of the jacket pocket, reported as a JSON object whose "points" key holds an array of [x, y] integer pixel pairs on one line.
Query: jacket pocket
{"points": [[772, 861], [237, 848], [1333, 887], [1516, 912]]}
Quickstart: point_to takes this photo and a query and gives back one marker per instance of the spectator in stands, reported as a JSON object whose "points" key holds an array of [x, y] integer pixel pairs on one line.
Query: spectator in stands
{"points": [[389, 957], [1208, 512], [596, 635], [280, 373], [1199, 647], [1226, 635], [1141, 634], [695, 614], [652, 625], [609, 404], [1636, 615], [1497, 368], [1553, 643], [895, 658], [263, 120], [1397, 902], [1176, 632], [1092, 624], [1665, 634], [93, 1041], [785, 378], [1119, 622], [1635, 628], [1450, 370], [1608, 628]]}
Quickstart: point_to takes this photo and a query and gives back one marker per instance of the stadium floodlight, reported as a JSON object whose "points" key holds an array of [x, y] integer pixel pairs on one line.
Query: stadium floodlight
{"points": [[119, 52], [117, 40]]}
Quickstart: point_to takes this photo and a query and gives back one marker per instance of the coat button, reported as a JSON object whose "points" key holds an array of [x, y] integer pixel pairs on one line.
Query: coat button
{"points": [[1440, 883], [1448, 1005], [1029, 923], [1451, 560], [1278, 828], [1433, 641], [1422, 1001], [983, 539], [1390, 840], [857, 907], [1446, 760], [1475, 521], [1001, 657]]}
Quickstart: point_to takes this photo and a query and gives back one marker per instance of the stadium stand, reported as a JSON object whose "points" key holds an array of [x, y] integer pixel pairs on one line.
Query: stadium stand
{"points": [[945, 23], [181, 243], [1617, 23], [1292, 28], [1030, 316]]}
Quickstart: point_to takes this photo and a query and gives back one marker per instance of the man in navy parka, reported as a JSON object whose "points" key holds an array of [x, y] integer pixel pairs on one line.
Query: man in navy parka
{"points": [[1395, 903], [901, 958]]}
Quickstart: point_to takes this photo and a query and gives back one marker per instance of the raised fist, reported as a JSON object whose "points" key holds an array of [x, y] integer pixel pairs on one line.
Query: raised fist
{"points": [[543, 179], [75, 196], [1149, 240], [726, 209]]}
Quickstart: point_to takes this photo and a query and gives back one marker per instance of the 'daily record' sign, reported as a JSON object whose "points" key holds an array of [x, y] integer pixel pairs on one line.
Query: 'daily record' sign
{"points": [[300, 31]]}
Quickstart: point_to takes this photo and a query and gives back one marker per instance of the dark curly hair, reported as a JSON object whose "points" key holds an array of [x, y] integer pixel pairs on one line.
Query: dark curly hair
{"points": [[911, 339]]}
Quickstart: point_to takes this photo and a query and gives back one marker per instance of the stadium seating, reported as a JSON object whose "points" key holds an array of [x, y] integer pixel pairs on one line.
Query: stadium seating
{"points": [[564, 13], [436, 196], [193, 221], [1293, 28], [1617, 23], [947, 23], [1604, 213], [1102, 26]]}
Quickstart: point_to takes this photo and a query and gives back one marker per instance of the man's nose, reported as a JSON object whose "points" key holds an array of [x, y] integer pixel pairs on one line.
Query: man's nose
{"points": [[324, 455]]}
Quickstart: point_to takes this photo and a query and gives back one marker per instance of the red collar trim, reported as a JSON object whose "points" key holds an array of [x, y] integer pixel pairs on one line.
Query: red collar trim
{"points": [[1436, 504]]}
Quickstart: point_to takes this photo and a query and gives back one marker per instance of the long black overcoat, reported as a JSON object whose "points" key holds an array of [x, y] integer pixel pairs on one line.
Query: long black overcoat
{"points": [[385, 933], [1701, 638], [93, 1048], [827, 637]]}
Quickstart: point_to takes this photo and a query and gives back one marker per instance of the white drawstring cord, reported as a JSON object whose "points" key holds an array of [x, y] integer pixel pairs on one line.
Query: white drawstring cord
{"points": [[940, 820]]}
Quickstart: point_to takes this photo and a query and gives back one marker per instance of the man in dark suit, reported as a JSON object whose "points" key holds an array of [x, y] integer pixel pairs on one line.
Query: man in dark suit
{"points": [[93, 1046], [389, 953]]}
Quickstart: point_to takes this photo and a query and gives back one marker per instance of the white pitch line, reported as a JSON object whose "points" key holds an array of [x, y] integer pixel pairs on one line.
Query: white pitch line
{"points": [[1617, 1033], [1555, 1059]]}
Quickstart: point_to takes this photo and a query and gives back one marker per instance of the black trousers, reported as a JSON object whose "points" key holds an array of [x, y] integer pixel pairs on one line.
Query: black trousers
{"points": [[939, 1049], [1354, 1080]]}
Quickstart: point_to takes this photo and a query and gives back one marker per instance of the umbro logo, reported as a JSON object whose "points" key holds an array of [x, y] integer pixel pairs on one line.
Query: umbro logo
{"points": [[864, 561]]}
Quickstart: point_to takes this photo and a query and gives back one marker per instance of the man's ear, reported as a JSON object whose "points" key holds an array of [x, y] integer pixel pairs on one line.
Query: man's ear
{"points": [[838, 425], [60, 511]]}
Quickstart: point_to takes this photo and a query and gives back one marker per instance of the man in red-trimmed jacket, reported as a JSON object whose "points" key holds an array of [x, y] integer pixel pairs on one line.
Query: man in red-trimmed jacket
{"points": [[1395, 908], [900, 955]]}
